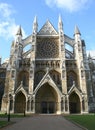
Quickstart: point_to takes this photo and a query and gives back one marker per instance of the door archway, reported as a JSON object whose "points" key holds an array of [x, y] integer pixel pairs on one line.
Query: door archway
{"points": [[74, 103], [20, 103], [1, 92], [46, 100]]}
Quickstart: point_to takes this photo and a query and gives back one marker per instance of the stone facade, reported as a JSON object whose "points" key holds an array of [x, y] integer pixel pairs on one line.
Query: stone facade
{"points": [[53, 76]]}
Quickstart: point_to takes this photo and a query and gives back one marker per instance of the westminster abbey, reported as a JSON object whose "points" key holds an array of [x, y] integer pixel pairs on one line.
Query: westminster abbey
{"points": [[53, 76]]}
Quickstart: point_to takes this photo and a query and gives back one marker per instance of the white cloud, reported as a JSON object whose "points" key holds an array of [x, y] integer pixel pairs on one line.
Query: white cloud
{"points": [[69, 5], [8, 26], [6, 10]]}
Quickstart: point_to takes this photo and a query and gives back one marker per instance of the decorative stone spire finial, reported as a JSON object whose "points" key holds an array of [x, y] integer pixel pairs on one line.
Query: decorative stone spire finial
{"points": [[35, 25], [60, 19], [89, 56], [19, 32], [60, 24], [77, 31]]}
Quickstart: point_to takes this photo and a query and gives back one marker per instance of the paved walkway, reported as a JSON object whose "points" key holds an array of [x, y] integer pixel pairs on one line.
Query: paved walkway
{"points": [[43, 122]]}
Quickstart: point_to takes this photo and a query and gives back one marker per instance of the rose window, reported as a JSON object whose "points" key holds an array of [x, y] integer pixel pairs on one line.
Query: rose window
{"points": [[47, 49]]}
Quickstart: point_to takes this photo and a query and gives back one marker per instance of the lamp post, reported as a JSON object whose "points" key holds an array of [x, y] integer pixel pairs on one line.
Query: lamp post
{"points": [[9, 107]]}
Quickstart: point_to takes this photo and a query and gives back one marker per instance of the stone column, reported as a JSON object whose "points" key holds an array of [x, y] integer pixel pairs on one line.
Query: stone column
{"points": [[81, 106], [13, 105], [59, 109], [33, 103], [64, 81], [26, 105], [67, 104], [30, 105], [86, 104], [8, 107], [64, 103]]}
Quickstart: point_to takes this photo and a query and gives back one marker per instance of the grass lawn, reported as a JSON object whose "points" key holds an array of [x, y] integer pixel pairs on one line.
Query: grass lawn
{"points": [[12, 115], [87, 121], [3, 123]]}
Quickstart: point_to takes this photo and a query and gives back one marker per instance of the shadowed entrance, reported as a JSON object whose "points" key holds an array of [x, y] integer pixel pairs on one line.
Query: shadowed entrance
{"points": [[20, 103], [46, 100], [74, 103]]}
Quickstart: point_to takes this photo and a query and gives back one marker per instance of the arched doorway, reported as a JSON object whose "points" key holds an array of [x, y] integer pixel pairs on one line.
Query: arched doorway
{"points": [[74, 103], [20, 103], [1, 92], [46, 100]]}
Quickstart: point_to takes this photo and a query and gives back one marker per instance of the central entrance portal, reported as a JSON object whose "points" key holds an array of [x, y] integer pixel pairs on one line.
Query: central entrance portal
{"points": [[48, 107], [46, 100]]}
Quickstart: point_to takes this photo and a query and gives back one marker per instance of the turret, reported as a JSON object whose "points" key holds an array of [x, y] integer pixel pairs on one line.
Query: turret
{"points": [[78, 43], [19, 46], [35, 26], [15, 57], [62, 55], [32, 57], [16, 49]]}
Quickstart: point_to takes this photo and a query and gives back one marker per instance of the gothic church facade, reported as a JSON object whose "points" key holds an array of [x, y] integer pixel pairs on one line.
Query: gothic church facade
{"points": [[48, 78]]}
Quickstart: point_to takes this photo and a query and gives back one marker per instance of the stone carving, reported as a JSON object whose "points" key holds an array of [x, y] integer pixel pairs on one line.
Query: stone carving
{"points": [[63, 64], [82, 64], [32, 64], [63, 74], [33, 47], [62, 47], [31, 73], [13, 73], [82, 73], [48, 29]]}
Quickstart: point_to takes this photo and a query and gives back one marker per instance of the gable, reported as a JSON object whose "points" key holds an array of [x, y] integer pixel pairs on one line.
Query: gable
{"points": [[48, 29], [47, 79], [74, 89]]}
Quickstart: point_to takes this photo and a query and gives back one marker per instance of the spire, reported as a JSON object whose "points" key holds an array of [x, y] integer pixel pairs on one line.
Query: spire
{"points": [[35, 20], [89, 56], [60, 24], [19, 32], [35, 25], [60, 19], [77, 31]]}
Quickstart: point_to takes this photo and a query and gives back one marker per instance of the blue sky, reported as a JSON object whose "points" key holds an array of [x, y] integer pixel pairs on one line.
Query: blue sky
{"points": [[19, 12]]}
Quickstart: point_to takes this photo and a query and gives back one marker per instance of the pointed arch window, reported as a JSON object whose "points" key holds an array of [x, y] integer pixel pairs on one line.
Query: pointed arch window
{"points": [[2, 75], [23, 77], [38, 77], [24, 80], [56, 77], [71, 78]]}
